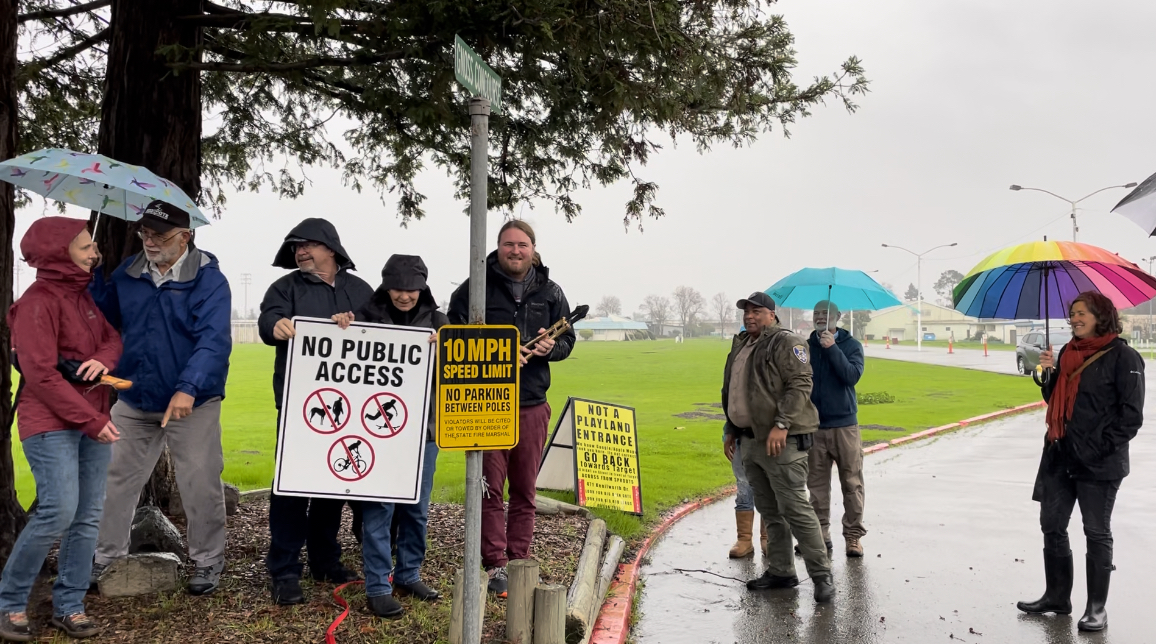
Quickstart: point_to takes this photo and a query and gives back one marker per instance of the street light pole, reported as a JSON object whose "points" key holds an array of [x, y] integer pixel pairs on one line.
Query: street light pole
{"points": [[246, 280], [919, 288], [1075, 225]]}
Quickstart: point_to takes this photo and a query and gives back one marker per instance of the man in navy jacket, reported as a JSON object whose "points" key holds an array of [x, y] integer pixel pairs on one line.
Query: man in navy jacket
{"points": [[172, 306], [837, 365]]}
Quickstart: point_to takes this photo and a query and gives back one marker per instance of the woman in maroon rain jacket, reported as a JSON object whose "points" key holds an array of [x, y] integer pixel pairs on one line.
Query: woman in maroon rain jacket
{"points": [[65, 428]]}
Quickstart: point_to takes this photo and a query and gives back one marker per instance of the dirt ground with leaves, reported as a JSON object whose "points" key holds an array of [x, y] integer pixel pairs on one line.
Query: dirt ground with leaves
{"points": [[242, 611]]}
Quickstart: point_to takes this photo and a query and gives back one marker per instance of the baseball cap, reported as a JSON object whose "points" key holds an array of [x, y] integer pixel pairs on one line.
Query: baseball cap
{"points": [[162, 216], [758, 299]]}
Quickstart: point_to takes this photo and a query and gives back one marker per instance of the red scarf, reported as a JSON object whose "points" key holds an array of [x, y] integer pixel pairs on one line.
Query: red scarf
{"points": [[1063, 399]]}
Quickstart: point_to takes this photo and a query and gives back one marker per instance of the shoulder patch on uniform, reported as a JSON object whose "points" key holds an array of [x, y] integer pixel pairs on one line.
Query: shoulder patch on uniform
{"points": [[801, 353]]}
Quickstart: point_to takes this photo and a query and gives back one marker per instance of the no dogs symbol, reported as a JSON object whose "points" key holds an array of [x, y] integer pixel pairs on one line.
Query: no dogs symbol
{"points": [[384, 415], [326, 411], [351, 458]]}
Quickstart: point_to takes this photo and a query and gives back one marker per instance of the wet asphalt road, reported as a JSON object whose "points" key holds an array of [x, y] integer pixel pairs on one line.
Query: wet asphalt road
{"points": [[953, 543], [995, 361]]}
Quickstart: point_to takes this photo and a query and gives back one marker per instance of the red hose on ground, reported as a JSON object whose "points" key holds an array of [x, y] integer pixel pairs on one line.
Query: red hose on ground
{"points": [[329, 637]]}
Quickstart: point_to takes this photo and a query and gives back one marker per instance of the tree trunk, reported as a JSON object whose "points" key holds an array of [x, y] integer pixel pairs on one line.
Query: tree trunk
{"points": [[12, 517], [151, 116]]}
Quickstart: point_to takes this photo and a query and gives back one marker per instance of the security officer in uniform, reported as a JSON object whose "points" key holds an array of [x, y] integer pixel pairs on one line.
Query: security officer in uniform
{"points": [[767, 400]]}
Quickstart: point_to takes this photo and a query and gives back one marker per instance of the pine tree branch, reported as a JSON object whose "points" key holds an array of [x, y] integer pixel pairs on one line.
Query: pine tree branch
{"points": [[62, 13], [68, 52], [310, 63]]}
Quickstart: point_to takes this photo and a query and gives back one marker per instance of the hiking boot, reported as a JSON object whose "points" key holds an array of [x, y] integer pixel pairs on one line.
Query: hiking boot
{"points": [[385, 606], [287, 591], [854, 548], [94, 577], [338, 575], [1058, 592], [830, 550], [1096, 616], [763, 535], [499, 582], [76, 625], [14, 627], [206, 579], [744, 547], [824, 588], [418, 590], [771, 582]]}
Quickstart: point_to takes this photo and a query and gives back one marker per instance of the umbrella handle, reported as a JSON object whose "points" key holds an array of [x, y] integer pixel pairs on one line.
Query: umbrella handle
{"points": [[96, 225]]}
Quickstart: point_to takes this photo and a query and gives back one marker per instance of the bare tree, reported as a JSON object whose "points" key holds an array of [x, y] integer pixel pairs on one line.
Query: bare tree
{"points": [[608, 305], [688, 304], [658, 309], [722, 305]]}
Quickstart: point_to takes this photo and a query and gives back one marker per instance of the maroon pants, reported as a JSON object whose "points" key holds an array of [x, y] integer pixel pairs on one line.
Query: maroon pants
{"points": [[505, 538]]}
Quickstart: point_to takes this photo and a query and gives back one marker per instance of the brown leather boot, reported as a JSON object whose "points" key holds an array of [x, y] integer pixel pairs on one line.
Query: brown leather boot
{"points": [[763, 535], [744, 520]]}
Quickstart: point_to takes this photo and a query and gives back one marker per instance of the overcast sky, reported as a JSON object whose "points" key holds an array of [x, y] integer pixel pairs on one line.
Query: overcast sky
{"points": [[967, 98]]}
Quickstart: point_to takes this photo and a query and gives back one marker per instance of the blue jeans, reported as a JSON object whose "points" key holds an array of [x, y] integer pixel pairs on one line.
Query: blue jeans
{"points": [[70, 471], [745, 498], [375, 535]]}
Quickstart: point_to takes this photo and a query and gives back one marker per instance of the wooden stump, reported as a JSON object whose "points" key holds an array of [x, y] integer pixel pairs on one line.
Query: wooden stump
{"points": [[523, 575], [457, 607], [580, 614], [550, 615]]}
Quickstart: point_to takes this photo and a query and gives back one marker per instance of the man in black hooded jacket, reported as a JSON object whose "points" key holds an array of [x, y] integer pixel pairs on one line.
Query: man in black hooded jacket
{"points": [[320, 287]]}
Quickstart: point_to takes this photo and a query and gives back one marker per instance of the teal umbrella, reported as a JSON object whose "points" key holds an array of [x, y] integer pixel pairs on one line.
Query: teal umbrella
{"points": [[848, 289], [96, 182]]}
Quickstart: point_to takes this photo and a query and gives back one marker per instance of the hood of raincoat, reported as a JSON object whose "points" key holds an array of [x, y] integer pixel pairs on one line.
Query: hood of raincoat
{"points": [[45, 248], [313, 229]]}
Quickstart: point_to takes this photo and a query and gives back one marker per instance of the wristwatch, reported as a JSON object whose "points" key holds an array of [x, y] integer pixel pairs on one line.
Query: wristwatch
{"points": [[780, 425]]}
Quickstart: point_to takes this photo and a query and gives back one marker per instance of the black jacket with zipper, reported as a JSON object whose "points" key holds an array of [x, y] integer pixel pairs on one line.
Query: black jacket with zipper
{"points": [[1109, 410], [299, 294], [543, 304]]}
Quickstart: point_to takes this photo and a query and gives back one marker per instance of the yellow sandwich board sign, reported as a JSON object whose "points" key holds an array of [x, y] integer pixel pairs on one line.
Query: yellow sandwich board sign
{"points": [[594, 452], [478, 379]]}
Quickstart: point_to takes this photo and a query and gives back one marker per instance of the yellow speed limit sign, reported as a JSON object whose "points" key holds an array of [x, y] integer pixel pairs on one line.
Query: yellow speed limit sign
{"points": [[478, 378]]}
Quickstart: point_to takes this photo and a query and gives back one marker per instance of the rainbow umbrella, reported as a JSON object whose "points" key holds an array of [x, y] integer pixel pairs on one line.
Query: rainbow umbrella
{"points": [[1039, 280]]}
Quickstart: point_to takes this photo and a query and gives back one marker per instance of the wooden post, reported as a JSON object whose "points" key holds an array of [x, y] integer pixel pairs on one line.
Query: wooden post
{"points": [[550, 615], [457, 607], [605, 576], [520, 600], [580, 615]]}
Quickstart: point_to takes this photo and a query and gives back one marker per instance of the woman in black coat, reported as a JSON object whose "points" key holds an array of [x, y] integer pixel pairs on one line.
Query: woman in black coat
{"points": [[1095, 406], [403, 299]]}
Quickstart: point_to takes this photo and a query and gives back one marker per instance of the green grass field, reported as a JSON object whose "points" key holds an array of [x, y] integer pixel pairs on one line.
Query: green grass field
{"points": [[672, 387]]}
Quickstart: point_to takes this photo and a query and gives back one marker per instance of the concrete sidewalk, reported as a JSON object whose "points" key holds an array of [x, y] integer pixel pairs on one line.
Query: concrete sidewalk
{"points": [[954, 542]]}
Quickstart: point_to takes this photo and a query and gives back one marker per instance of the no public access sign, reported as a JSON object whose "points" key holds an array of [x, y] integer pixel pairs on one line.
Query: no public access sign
{"points": [[353, 397], [478, 380]]}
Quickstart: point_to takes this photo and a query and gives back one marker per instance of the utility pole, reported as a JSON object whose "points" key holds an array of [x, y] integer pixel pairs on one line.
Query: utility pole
{"points": [[246, 280], [18, 270], [1072, 202]]}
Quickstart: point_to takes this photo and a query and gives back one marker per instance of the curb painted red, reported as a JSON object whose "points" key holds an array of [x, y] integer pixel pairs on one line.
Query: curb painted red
{"points": [[613, 625]]}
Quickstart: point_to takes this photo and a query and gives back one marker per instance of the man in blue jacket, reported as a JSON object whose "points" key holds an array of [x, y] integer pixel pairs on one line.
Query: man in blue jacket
{"points": [[172, 306], [836, 365]]}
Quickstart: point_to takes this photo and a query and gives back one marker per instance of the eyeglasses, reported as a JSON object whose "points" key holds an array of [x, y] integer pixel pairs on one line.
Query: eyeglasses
{"points": [[307, 245], [155, 238]]}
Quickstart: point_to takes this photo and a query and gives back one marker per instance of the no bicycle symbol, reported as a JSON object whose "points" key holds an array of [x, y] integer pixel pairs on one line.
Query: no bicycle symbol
{"points": [[326, 411], [384, 415], [351, 458]]}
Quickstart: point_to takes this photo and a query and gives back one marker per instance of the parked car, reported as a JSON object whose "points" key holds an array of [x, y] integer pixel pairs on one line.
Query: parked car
{"points": [[1032, 344]]}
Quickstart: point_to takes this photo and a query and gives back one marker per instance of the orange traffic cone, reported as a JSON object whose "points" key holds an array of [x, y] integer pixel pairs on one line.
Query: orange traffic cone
{"points": [[949, 346], [888, 338], [985, 346]]}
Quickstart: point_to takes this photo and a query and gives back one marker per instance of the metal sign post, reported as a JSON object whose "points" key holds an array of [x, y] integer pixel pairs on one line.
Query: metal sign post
{"points": [[486, 86]]}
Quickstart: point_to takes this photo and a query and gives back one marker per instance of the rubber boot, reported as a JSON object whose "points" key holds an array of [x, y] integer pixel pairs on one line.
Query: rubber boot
{"points": [[1096, 616], [744, 520], [763, 536], [1058, 594]]}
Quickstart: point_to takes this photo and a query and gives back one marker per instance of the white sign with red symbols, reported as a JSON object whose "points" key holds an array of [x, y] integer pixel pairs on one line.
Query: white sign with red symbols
{"points": [[354, 397]]}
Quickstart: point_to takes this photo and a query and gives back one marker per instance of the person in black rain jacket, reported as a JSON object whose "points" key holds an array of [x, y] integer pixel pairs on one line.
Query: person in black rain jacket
{"points": [[320, 286], [1095, 407]]}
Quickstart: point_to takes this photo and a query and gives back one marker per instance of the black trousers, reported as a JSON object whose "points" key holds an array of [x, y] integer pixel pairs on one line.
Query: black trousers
{"points": [[1096, 499], [296, 522]]}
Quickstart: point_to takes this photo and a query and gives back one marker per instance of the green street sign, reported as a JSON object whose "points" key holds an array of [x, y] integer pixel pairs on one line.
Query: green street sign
{"points": [[475, 75]]}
